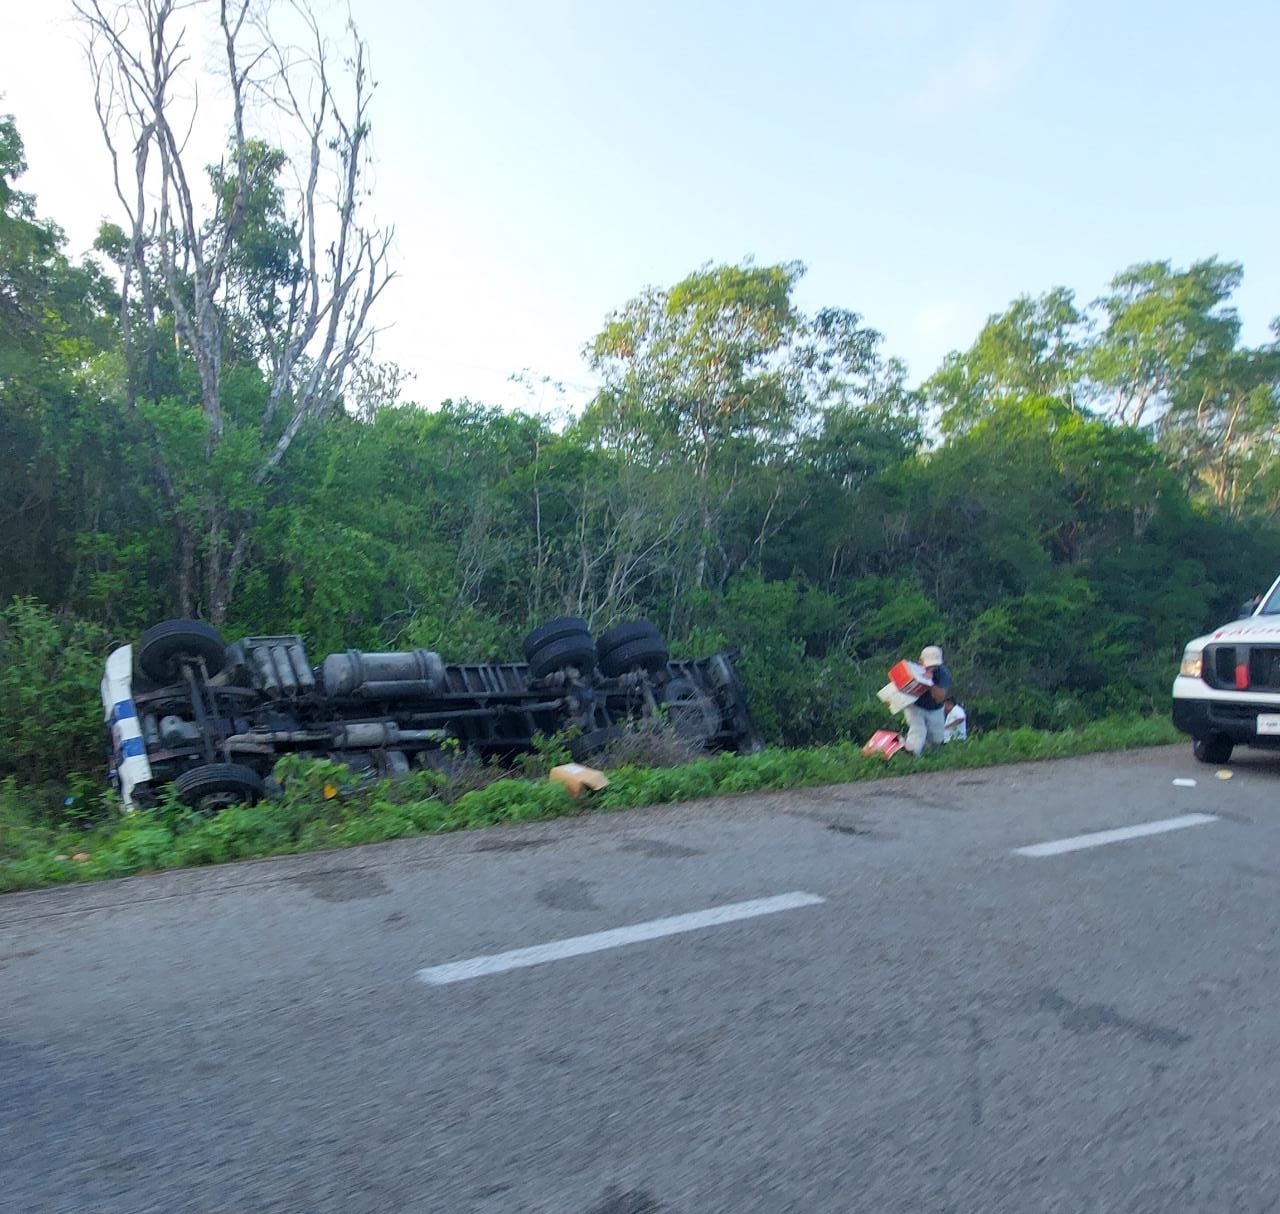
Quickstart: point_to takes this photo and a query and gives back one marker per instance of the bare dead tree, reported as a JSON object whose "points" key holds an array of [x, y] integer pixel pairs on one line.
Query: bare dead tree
{"points": [[623, 541], [182, 234]]}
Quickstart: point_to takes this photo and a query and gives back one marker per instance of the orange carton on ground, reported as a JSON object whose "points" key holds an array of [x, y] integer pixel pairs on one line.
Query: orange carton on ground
{"points": [[575, 777], [885, 743], [910, 677]]}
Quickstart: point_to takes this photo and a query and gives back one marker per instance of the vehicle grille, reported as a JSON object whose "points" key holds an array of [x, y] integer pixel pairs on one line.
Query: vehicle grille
{"points": [[1220, 662], [1222, 667], [1264, 667], [1231, 714]]}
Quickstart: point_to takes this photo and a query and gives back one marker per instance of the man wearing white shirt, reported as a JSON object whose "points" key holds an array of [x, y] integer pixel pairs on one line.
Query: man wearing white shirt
{"points": [[955, 726]]}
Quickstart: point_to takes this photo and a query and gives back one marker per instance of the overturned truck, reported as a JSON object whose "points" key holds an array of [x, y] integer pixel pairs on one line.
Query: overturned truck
{"points": [[184, 708]]}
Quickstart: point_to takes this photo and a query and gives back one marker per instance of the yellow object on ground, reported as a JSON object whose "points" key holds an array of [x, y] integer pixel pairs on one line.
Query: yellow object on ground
{"points": [[575, 777]]}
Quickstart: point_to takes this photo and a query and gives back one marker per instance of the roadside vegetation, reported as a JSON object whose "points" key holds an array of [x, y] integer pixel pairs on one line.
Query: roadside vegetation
{"points": [[321, 806]]}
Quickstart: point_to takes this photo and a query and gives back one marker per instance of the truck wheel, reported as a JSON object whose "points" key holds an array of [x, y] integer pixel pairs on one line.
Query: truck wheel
{"points": [[625, 634], [647, 652], [554, 630], [215, 786], [163, 649], [573, 650], [1213, 749]]}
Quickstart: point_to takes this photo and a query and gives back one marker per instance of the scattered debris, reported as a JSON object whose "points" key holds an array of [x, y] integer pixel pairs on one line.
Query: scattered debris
{"points": [[575, 777], [885, 743]]}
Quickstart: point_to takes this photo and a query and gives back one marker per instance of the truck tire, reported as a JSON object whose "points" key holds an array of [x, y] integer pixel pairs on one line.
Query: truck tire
{"points": [[647, 653], [625, 634], [554, 630], [214, 786], [572, 650], [163, 649], [1214, 749]]}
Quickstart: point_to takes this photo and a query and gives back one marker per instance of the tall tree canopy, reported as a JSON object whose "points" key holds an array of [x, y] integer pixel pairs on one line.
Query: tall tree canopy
{"points": [[723, 377], [246, 286]]}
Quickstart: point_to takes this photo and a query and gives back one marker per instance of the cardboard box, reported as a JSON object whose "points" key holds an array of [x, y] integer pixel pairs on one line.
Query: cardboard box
{"points": [[575, 777], [893, 699], [910, 677], [885, 743]]}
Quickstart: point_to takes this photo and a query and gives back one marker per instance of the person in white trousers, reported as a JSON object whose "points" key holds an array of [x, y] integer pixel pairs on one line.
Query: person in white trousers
{"points": [[926, 720]]}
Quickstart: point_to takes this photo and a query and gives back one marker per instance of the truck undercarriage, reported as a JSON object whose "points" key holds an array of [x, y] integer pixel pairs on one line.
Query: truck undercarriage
{"points": [[185, 709]]}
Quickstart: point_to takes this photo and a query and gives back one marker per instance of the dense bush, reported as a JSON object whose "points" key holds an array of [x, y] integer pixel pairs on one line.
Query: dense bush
{"points": [[50, 710]]}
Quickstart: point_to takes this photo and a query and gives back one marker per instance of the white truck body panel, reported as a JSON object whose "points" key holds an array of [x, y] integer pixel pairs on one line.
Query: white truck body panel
{"points": [[128, 750]]}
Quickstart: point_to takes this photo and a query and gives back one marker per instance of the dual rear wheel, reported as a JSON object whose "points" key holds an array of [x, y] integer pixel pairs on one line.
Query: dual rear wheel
{"points": [[567, 642]]}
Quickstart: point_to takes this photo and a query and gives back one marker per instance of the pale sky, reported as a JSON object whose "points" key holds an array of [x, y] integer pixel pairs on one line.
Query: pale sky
{"points": [[928, 160]]}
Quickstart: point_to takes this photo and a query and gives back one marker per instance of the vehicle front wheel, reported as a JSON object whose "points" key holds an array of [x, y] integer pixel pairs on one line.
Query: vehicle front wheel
{"points": [[215, 786], [1213, 749]]}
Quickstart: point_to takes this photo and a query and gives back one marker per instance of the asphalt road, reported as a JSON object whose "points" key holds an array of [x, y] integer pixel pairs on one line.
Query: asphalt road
{"points": [[954, 1026]]}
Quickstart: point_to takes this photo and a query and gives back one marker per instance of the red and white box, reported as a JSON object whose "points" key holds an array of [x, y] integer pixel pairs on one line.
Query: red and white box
{"points": [[911, 678], [896, 701], [885, 743]]}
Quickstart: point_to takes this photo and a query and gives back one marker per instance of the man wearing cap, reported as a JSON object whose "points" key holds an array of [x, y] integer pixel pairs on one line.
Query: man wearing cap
{"points": [[926, 719]]}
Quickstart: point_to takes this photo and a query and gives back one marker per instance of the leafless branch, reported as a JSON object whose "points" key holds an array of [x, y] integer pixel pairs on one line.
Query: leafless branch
{"points": [[183, 239]]}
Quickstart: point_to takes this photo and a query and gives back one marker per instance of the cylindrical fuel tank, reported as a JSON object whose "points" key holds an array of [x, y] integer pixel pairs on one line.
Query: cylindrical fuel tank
{"points": [[355, 674]]}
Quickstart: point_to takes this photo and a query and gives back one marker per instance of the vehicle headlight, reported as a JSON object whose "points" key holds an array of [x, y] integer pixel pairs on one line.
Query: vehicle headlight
{"points": [[1192, 664]]}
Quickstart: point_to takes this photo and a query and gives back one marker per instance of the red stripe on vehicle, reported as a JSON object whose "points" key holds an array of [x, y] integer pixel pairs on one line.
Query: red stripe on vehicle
{"points": [[1242, 677]]}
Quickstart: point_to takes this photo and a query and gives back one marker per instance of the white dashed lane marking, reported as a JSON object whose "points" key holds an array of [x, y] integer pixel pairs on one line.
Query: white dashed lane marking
{"points": [[1102, 837], [577, 946]]}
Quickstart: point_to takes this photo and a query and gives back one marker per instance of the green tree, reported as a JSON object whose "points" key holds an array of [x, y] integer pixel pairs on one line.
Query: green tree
{"points": [[1169, 356], [250, 272], [1034, 348], [1222, 429], [62, 458], [717, 379], [50, 713], [1161, 324]]}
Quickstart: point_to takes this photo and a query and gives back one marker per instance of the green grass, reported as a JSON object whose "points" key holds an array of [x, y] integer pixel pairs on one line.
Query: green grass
{"points": [[302, 820]]}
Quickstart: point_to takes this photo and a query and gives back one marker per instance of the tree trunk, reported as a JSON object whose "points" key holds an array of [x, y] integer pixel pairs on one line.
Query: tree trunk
{"points": [[186, 571]]}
